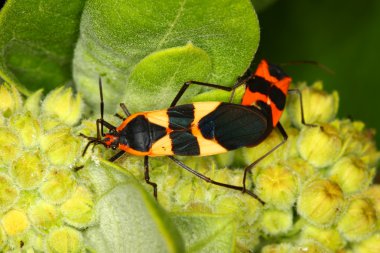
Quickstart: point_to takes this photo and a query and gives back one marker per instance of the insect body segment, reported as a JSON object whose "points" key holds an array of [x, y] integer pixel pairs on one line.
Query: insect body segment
{"points": [[267, 89], [198, 129], [202, 128]]}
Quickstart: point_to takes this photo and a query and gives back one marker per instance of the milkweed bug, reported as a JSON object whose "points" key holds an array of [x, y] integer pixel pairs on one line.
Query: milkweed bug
{"points": [[202, 128]]}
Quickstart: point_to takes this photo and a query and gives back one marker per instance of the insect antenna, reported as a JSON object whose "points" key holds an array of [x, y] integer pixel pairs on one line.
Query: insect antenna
{"points": [[315, 63]]}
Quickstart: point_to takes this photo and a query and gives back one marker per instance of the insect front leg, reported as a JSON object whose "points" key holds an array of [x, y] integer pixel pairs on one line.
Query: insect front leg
{"points": [[147, 178], [211, 85]]}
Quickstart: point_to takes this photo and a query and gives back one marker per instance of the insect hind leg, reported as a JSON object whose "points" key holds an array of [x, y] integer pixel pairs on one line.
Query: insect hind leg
{"points": [[298, 92], [252, 165], [209, 180]]}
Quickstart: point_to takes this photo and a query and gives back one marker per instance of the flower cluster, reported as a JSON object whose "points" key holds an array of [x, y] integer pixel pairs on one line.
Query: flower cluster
{"points": [[318, 187], [43, 205]]}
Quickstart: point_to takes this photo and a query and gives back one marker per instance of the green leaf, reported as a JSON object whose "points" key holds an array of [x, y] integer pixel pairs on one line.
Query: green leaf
{"points": [[220, 95], [37, 40], [116, 37], [129, 219], [207, 232], [169, 68]]}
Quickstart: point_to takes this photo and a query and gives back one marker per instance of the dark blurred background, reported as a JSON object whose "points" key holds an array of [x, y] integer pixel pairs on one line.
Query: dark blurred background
{"points": [[343, 35]]}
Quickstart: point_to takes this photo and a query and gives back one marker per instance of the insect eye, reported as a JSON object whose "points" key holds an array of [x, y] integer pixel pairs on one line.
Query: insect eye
{"points": [[113, 147], [112, 131]]}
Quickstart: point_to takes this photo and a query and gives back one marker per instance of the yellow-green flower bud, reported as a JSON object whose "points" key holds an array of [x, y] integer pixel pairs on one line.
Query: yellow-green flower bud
{"points": [[49, 123], [25, 198], [351, 174], [60, 146], [10, 99], [274, 222], [29, 170], [78, 210], [358, 221], [244, 207], [61, 104], [63, 240], [225, 159], [309, 246], [320, 146], [15, 222], [302, 168], [351, 133], [329, 237], [285, 152], [44, 215], [373, 194], [228, 203], [252, 154], [319, 106], [368, 245], [358, 141], [370, 155], [3, 238], [277, 248], [320, 202], [27, 128], [190, 190], [8, 192], [32, 103], [277, 185], [10, 145], [58, 186]]}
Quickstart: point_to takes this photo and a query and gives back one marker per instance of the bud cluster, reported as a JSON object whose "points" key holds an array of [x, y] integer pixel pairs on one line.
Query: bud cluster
{"points": [[43, 206], [318, 187]]}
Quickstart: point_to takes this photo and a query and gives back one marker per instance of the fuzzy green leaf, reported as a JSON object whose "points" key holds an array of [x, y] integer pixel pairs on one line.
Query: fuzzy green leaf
{"points": [[169, 68], [129, 219], [220, 95], [116, 37], [37, 40], [207, 232]]}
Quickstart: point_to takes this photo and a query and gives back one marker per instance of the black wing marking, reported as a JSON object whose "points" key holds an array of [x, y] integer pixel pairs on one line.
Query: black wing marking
{"points": [[234, 126]]}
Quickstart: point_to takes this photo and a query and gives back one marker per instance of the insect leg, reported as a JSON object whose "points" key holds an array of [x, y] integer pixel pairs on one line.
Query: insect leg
{"points": [[249, 167], [99, 127], [119, 116], [240, 81], [211, 85], [209, 180], [147, 178], [101, 107], [116, 156], [112, 159], [122, 105], [298, 92]]}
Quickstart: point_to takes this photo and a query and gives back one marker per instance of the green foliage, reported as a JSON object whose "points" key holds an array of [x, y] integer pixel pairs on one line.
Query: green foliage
{"points": [[123, 42], [37, 40], [206, 232], [166, 67], [129, 219]]}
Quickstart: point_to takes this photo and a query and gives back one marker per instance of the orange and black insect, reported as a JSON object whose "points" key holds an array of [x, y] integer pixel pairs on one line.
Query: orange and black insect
{"points": [[202, 128]]}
